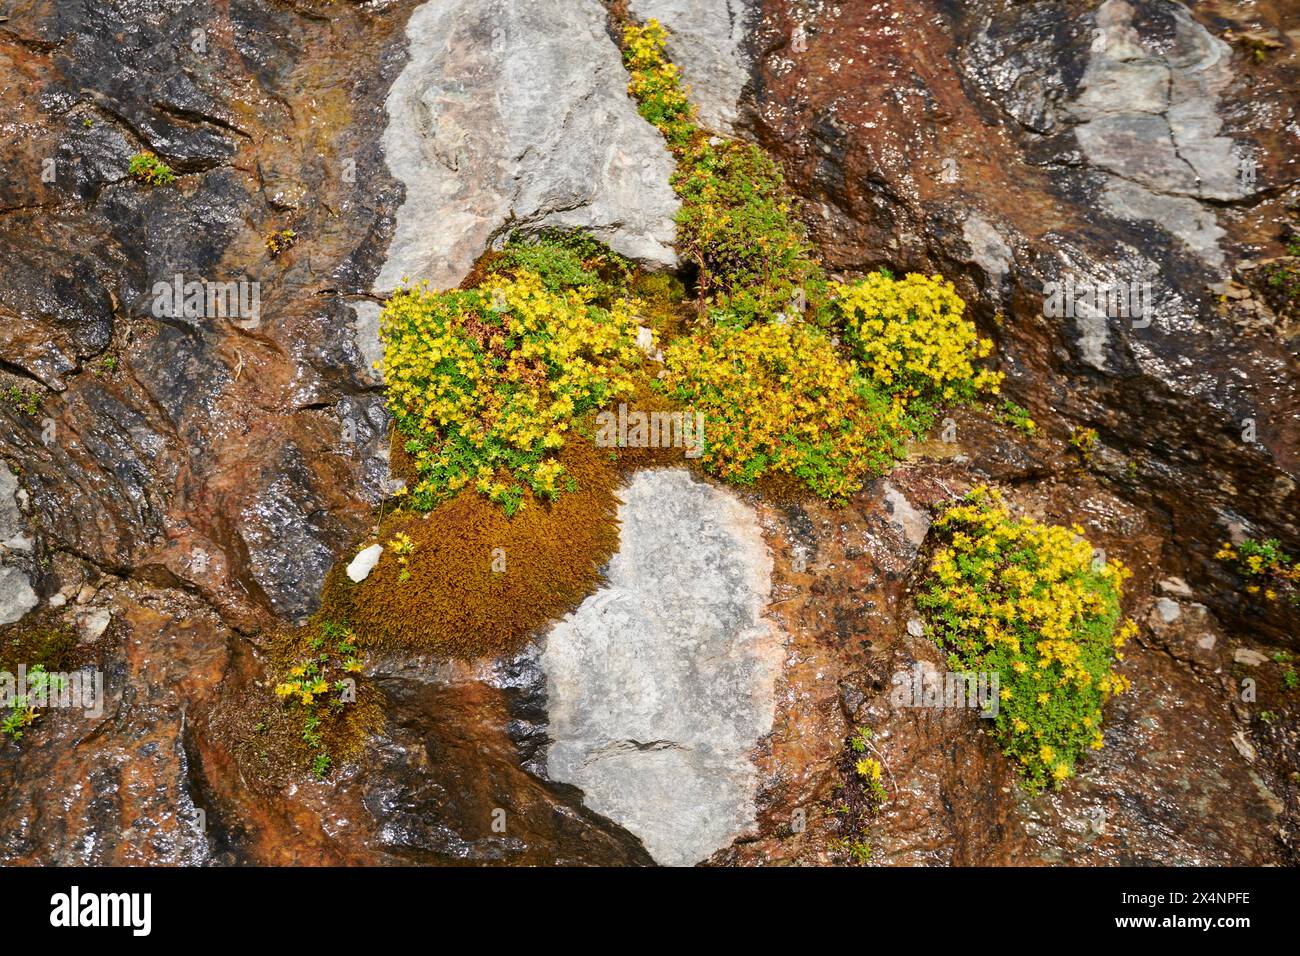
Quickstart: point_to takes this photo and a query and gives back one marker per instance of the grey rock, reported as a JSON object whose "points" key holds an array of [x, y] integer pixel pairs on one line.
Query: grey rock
{"points": [[1147, 115], [989, 250], [16, 595], [93, 625], [13, 527], [708, 42], [914, 524], [661, 684], [1244, 655], [514, 114], [1168, 610]]}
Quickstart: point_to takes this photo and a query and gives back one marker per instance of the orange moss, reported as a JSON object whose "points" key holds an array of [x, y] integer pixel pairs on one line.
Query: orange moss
{"points": [[478, 582]]}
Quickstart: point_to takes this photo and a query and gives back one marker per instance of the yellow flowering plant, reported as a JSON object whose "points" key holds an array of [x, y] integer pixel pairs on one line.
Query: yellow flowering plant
{"points": [[1271, 571], [737, 221], [486, 383], [911, 335], [778, 398], [777, 394], [319, 685], [1028, 601]]}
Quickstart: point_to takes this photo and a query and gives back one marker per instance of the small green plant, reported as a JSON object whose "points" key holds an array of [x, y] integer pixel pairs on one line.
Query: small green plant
{"points": [[737, 221], [319, 685], [1016, 416], [868, 770], [27, 401], [402, 547], [861, 793], [1084, 441], [22, 713], [1272, 573], [147, 168], [107, 366], [1028, 602]]}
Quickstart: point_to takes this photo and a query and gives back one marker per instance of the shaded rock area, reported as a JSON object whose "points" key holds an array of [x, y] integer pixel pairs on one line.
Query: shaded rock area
{"points": [[661, 683]]}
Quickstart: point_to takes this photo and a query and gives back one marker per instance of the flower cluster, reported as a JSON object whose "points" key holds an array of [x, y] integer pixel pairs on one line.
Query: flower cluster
{"points": [[655, 83], [309, 681], [778, 398], [1272, 572], [1028, 601], [486, 382], [912, 336], [776, 393]]}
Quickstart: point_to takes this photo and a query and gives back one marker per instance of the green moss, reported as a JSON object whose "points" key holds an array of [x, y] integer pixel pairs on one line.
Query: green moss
{"points": [[149, 169]]}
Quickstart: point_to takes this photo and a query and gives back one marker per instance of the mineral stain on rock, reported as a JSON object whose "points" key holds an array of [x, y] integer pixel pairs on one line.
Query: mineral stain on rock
{"points": [[661, 685]]}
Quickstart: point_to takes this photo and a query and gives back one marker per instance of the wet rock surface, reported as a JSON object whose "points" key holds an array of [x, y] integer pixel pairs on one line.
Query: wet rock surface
{"points": [[981, 141], [181, 484]]}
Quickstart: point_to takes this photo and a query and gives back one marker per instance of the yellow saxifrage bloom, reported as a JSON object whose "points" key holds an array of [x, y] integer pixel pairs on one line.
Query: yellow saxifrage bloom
{"points": [[486, 382], [911, 335], [778, 398], [1028, 601]]}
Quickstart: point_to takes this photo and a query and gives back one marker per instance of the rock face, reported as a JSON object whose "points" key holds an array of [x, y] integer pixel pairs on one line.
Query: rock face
{"points": [[513, 114], [1149, 117], [180, 485], [16, 594], [710, 42], [660, 686], [1013, 146]]}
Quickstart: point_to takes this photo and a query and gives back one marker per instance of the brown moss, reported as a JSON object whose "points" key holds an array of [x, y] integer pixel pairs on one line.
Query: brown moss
{"points": [[480, 582], [41, 638], [265, 734]]}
